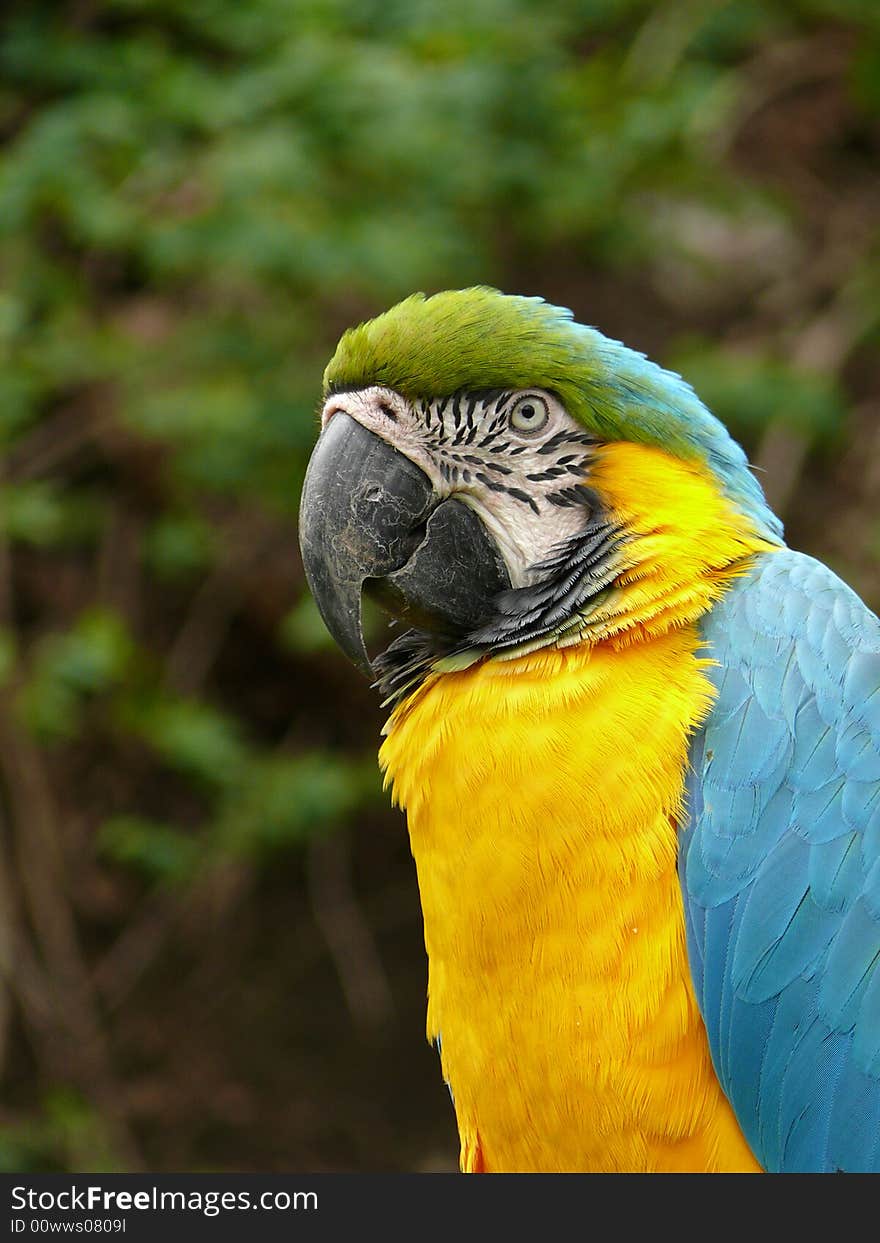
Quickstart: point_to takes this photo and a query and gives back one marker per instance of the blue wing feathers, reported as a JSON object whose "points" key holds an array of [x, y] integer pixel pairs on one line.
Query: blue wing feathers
{"points": [[752, 1025], [861, 805], [835, 870], [726, 1007], [814, 761], [772, 902], [855, 1113], [780, 865], [818, 813], [851, 959], [805, 1128], [872, 889], [794, 1016], [857, 753], [797, 948], [717, 943]]}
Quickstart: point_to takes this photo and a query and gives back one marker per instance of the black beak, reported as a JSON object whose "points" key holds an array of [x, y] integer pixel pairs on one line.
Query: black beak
{"points": [[371, 521]]}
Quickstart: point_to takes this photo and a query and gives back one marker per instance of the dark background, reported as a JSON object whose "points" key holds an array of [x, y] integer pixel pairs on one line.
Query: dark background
{"points": [[210, 943]]}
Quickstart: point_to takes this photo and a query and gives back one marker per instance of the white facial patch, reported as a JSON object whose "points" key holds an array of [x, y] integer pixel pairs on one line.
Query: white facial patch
{"points": [[517, 458]]}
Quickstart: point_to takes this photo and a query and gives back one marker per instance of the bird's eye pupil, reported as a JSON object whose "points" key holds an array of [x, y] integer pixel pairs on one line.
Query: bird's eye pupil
{"points": [[529, 414]]}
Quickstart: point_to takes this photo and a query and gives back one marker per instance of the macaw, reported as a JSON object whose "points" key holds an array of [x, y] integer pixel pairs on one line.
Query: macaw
{"points": [[636, 738]]}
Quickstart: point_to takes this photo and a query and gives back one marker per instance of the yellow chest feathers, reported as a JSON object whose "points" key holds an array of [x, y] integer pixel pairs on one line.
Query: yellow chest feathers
{"points": [[542, 796]]}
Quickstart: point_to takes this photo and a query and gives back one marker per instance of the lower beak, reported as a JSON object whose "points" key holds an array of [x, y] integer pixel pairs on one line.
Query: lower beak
{"points": [[371, 521]]}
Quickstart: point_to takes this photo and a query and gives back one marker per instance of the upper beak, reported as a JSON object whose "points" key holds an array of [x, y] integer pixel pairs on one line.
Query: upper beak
{"points": [[371, 520]]}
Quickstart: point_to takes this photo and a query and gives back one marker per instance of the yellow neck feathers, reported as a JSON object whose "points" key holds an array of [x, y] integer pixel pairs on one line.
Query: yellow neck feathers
{"points": [[542, 795], [687, 542]]}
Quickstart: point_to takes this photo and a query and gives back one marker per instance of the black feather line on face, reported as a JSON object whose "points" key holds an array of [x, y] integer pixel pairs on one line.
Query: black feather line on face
{"points": [[577, 494], [582, 567]]}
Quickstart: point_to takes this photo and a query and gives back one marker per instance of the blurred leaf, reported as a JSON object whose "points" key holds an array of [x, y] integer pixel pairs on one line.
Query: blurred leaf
{"points": [[66, 669], [66, 1134], [38, 513], [178, 546], [8, 655], [303, 629], [192, 737], [284, 800], [159, 851]]}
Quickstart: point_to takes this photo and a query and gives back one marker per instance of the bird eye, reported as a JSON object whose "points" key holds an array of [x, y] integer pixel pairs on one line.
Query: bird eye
{"points": [[529, 414]]}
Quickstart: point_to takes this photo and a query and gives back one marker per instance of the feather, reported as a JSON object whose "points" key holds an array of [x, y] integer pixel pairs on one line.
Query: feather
{"points": [[782, 896]]}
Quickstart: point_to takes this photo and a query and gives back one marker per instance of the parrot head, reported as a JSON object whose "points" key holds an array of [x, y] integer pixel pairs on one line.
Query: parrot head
{"points": [[502, 478]]}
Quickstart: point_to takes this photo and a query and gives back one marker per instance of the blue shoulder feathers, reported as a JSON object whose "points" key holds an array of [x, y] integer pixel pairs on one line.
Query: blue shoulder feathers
{"points": [[780, 865]]}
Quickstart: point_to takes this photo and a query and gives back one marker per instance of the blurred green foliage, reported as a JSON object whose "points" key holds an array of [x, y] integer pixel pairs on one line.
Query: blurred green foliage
{"points": [[195, 199]]}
